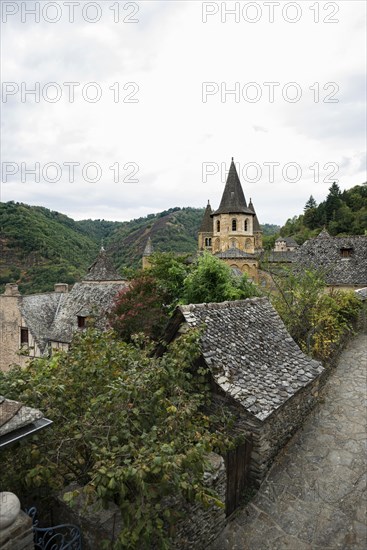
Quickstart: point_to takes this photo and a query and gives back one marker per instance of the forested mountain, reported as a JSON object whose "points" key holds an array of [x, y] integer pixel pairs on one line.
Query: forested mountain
{"points": [[342, 213], [40, 247]]}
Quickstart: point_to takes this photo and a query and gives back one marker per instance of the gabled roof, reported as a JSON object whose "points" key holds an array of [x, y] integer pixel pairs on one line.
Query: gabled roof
{"points": [[102, 269], [256, 224], [38, 311], [85, 299], [207, 222], [233, 199], [249, 352], [325, 253]]}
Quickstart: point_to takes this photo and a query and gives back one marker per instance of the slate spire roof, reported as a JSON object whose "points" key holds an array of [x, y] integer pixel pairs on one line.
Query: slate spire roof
{"points": [[233, 199], [256, 224], [102, 269], [148, 250], [324, 234], [207, 222]]}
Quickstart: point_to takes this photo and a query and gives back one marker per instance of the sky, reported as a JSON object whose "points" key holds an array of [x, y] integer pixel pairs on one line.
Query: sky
{"points": [[115, 110]]}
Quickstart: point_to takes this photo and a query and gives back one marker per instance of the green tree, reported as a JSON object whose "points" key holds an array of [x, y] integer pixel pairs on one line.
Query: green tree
{"points": [[212, 280], [128, 427], [311, 203]]}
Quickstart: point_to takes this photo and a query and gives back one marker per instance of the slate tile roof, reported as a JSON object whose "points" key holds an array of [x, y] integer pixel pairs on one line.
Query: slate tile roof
{"points": [[234, 252], [148, 250], [15, 415], [233, 199], [102, 269], [289, 241], [39, 311], [207, 221], [325, 253], [250, 353], [85, 299]]}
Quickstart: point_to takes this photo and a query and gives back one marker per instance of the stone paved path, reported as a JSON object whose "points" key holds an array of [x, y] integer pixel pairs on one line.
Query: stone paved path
{"points": [[314, 497]]}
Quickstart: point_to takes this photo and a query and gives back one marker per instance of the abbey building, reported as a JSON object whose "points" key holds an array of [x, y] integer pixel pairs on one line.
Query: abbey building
{"points": [[232, 232]]}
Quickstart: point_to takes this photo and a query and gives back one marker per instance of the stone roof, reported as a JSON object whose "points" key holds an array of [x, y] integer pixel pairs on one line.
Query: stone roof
{"points": [[85, 299], [148, 250], [325, 254], [233, 199], [250, 353], [14, 415], [362, 294], [39, 312], [207, 222], [324, 234], [102, 269], [278, 256], [256, 224], [234, 252]]}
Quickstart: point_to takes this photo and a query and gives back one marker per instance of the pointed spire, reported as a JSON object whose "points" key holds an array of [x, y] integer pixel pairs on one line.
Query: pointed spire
{"points": [[207, 222], [233, 199], [102, 269], [256, 224], [148, 250]]}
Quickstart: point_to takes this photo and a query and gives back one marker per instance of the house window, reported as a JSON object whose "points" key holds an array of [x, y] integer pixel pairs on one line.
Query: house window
{"points": [[246, 225], [24, 336], [234, 225], [218, 226], [82, 321], [346, 252], [208, 241]]}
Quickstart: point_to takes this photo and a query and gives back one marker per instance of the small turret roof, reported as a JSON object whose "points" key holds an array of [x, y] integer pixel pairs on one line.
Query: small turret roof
{"points": [[256, 225], [148, 250], [233, 199], [207, 222], [324, 234]]}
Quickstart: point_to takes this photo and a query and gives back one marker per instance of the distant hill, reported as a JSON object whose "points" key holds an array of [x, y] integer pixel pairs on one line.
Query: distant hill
{"points": [[40, 247]]}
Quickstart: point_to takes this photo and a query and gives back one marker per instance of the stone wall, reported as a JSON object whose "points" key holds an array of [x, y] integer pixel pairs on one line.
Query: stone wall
{"points": [[196, 530], [10, 323], [272, 434], [19, 535]]}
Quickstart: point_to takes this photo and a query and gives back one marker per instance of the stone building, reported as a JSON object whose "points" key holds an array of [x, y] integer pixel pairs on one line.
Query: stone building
{"points": [[232, 232], [257, 372], [31, 326], [285, 244]]}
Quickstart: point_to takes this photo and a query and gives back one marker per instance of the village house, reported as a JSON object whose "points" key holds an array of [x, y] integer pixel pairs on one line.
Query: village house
{"points": [[31, 326], [258, 373], [285, 244]]}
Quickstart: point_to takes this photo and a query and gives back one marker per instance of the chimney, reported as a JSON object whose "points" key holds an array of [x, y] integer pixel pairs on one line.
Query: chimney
{"points": [[61, 287], [11, 289]]}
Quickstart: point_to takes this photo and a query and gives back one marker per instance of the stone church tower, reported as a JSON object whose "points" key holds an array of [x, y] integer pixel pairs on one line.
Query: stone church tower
{"points": [[232, 232]]}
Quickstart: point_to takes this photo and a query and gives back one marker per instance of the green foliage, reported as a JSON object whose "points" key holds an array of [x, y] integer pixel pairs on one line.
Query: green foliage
{"points": [[211, 280], [342, 213], [315, 318], [129, 427]]}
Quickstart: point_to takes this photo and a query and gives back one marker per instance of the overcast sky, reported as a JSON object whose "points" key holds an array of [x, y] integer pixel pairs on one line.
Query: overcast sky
{"points": [[153, 123]]}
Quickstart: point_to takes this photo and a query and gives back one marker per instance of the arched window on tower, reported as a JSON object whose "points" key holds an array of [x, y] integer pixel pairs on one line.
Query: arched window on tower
{"points": [[218, 226], [246, 225], [234, 224], [208, 241]]}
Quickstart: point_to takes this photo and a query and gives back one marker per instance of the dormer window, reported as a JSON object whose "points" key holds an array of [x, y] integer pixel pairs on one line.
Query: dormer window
{"points": [[346, 252], [234, 225], [218, 226], [82, 321], [24, 336]]}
